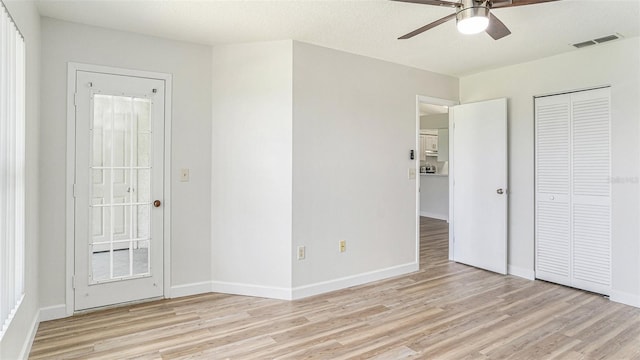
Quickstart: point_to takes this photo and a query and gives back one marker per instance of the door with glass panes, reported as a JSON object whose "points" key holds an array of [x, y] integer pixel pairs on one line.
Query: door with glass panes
{"points": [[118, 189]]}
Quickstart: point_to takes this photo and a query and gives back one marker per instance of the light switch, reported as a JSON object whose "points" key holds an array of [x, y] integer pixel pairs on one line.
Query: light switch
{"points": [[184, 175], [412, 173]]}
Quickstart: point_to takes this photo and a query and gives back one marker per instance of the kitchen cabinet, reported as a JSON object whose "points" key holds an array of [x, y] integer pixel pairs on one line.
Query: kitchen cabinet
{"points": [[432, 143], [434, 196], [428, 144], [423, 147]]}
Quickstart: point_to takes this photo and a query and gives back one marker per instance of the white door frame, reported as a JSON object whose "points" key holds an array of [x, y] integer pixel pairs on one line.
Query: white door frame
{"points": [[442, 102], [72, 68]]}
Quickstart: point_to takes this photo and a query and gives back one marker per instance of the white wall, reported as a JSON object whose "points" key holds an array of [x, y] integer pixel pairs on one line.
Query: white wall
{"points": [[190, 66], [310, 146], [251, 188], [354, 122], [17, 340], [616, 64], [435, 121]]}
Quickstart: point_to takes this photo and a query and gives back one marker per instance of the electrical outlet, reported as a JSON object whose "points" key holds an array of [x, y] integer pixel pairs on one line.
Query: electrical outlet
{"points": [[184, 175], [301, 252], [343, 245]]}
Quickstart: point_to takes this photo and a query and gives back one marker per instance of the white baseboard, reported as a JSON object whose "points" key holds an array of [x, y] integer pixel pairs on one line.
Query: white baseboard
{"points": [[60, 311], [53, 312], [26, 347], [521, 272], [345, 282], [190, 289], [435, 215], [295, 293], [625, 298], [251, 290]]}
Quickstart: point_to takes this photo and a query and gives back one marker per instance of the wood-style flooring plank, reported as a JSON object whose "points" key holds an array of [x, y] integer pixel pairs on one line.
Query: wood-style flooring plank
{"points": [[445, 310]]}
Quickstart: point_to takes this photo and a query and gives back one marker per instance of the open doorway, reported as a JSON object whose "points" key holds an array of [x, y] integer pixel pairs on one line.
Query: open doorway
{"points": [[432, 134], [478, 203]]}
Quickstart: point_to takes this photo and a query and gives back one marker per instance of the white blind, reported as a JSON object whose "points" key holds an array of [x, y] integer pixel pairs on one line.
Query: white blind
{"points": [[12, 167]]}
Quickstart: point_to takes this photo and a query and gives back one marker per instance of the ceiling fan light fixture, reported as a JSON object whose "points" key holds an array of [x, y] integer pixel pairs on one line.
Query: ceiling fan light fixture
{"points": [[472, 20]]}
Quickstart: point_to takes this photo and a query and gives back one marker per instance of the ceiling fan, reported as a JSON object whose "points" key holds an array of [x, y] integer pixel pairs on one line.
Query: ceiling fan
{"points": [[472, 16]]}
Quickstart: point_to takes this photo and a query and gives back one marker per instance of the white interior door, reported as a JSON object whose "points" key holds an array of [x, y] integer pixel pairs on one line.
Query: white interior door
{"points": [[118, 178], [479, 169]]}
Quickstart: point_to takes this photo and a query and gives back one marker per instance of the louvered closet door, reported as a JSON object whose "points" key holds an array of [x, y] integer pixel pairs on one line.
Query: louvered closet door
{"points": [[553, 246], [591, 195], [573, 201]]}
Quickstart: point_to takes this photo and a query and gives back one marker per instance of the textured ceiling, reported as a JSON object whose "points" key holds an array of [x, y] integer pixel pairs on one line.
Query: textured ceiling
{"points": [[365, 27]]}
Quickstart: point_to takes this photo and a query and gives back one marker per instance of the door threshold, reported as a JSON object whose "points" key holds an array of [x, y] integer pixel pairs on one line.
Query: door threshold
{"points": [[118, 305]]}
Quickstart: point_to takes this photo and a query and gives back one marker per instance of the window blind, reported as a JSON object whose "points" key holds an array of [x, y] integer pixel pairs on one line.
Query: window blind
{"points": [[12, 167]]}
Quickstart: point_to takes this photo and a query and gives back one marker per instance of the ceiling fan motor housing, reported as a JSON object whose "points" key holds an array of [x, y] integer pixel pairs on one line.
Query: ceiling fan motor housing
{"points": [[472, 9]]}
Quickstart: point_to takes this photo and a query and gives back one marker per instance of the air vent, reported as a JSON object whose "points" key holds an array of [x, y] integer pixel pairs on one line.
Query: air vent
{"points": [[585, 44], [597, 41], [606, 38]]}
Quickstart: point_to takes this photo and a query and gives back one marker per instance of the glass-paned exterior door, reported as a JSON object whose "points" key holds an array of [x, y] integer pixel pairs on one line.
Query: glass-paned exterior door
{"points": [[119, 176], [120, 187]]}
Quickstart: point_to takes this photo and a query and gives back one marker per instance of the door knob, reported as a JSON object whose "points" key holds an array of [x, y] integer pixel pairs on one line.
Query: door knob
{"points": [[157, 203], [500, 191]]}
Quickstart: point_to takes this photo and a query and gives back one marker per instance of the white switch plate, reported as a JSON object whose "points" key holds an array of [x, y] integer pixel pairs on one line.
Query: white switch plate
{"points": [[412, 173], [184, 175]]}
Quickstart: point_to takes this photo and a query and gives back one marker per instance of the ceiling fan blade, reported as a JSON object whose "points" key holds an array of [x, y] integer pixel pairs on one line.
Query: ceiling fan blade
{"points": [[497, 29], [511, 3], [427, 27], [433, 2]]}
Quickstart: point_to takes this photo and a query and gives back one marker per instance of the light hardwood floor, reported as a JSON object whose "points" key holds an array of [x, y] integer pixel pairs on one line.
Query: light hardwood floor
{"points": [[444, 311]]}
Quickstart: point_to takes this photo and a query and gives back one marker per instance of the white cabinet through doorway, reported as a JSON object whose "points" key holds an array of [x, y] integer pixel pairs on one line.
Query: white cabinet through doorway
{"points": [[432, 143], [423, 147]]}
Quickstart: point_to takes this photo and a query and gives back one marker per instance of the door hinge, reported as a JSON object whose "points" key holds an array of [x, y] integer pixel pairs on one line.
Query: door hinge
{"points": [[73, 281], [75, 99], [75, 194]]}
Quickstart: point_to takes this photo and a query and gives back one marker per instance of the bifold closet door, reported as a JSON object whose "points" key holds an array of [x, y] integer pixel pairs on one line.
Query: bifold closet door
{"points": [[591, 190], [553, 246], [573, 189]]}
